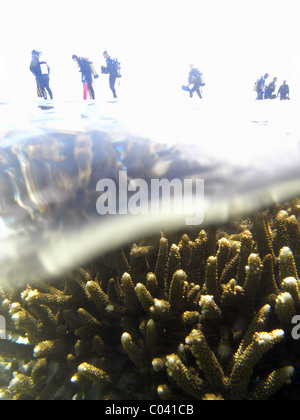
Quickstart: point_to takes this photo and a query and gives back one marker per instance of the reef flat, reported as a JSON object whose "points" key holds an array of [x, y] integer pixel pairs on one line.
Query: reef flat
{"points": [[186, 315]]}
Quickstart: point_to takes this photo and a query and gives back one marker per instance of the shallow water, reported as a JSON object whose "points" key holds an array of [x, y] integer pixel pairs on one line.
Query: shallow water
{"points": [[54, 154]]}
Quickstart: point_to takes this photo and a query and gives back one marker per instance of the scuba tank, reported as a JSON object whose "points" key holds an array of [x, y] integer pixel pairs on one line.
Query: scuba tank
{"points": [[93, 70]]}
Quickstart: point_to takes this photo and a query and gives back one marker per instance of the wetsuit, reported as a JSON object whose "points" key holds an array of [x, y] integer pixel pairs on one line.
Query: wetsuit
{"points": [[85, 69], [35, 68]]}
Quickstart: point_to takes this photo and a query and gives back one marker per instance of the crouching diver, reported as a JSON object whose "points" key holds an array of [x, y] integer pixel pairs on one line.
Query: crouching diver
{"points": [[35, 68], [87, 76], [270, 89], [284, 91]]}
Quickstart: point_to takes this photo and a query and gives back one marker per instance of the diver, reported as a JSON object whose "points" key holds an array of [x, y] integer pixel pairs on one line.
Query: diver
{"points": [[35, 68], [195, 79], [270, 89], [111, 69], [87, 76], [284, 91], [260, 87]]}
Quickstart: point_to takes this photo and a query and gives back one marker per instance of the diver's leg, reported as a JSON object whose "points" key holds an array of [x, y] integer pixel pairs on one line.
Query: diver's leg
{"points": [[85, 90], [192, 91], [40, 87], [90, 88], [47, 87], [112, 81], [91, 92], [197, 89]]}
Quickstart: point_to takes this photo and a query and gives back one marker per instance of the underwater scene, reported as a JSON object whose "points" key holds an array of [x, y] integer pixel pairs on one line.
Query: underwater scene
{"points": [[149, 255]]}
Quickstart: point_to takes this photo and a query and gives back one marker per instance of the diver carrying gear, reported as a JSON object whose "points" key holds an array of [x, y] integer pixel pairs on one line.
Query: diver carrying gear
{"points": [[113, 68], [35, 69], [196, 80]]}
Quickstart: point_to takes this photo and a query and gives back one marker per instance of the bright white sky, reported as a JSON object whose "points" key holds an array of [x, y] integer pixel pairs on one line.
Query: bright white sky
{"points": [[232, 41]]}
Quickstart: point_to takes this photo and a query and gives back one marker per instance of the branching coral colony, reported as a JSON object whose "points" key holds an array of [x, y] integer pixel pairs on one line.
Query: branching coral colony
{"points": [[194, 316]]}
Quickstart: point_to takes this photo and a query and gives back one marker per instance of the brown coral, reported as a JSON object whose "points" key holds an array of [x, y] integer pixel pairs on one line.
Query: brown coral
{"points": [[207, 317]]}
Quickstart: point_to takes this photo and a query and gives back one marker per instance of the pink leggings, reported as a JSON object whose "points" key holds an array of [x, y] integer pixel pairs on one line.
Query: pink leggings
{"points": [[87, 90]]}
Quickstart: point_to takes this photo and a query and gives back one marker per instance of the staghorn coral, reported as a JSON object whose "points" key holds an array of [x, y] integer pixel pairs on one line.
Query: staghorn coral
{"points": [[197, 316]]}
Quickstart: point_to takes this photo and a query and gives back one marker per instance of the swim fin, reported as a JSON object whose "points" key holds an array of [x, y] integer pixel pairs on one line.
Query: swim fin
{"points": [[185, 88]]}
